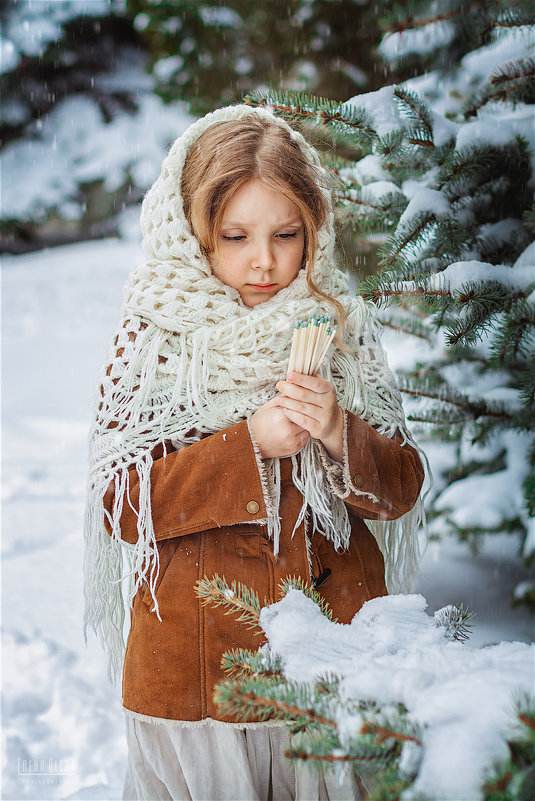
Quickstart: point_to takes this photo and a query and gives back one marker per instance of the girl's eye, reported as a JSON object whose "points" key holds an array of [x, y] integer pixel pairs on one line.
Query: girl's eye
{"points": [[287, 236], [237, 238]]}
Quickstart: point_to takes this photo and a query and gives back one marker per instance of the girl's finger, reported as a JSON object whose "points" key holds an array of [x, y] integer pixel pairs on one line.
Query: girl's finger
{"points": [[302, 420], [312, 382], [291, 390], [306, 409]]}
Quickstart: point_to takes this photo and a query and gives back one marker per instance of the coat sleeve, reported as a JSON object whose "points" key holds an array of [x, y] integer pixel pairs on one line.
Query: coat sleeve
{"points": [[380, 478], [213, 482]]}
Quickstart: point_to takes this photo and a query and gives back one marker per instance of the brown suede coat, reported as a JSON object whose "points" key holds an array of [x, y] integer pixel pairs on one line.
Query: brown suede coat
{"points": [[205, 500]]}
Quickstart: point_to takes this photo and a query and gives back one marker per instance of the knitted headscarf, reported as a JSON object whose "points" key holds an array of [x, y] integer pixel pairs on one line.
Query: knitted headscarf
{"points": [[189, 359]]}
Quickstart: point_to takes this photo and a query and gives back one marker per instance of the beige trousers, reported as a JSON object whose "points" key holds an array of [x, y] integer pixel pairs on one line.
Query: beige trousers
{"points": [[219, 762]]}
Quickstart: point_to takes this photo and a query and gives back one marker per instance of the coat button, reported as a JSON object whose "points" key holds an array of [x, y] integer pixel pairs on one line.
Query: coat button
{"points": [[358, 480], [253, 507]]}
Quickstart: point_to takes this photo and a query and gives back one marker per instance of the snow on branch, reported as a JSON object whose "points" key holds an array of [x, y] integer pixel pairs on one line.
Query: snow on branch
{"points": [[396, 695]]}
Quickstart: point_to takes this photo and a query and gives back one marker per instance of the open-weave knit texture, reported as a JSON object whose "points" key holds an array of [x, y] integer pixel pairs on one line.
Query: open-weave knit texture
{"points": [[190, 359]]}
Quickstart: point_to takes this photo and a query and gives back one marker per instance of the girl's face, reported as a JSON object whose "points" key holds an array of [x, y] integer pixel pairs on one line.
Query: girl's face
{"points": [[260, 242]]}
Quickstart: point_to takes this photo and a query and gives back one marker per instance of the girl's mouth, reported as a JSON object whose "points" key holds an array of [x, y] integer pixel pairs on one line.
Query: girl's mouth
{"points": [[262, 287]]}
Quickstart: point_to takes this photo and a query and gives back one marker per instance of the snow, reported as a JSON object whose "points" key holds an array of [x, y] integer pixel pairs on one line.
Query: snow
{"points": [[502, 231], [527, 259], [392, 651], [458, 274], [382, 108], [368, 170], [443, 129], [495, 492], [425, 201], [221, 17], [59, 309], [378, 189], [30, 28], [60, 306], [448, 92], [509, 44], [165, 67], [478, 132], [8, 55], [416, 40]]}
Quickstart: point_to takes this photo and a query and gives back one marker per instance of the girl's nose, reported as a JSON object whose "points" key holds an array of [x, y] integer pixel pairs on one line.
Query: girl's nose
{"points": [[263, 258]]}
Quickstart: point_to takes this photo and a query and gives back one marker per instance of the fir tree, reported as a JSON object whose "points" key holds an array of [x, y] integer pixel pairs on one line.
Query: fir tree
{"points": [[447, 187]]}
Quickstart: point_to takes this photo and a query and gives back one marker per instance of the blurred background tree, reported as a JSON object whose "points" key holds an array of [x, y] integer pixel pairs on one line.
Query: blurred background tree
{"points": [[210, 53], [93, 92]]}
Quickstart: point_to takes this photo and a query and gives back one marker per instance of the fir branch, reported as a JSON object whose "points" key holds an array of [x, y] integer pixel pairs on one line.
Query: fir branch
{"points": [[467, 164], [516, 15], [413, 230], [456, 620], [253, 697], [418, 111], [237, 598], [419, 140], [525, 710], [471, 408], [297, 105], [438, 418], [419, 292], [393, 145], [378, 756], [484, 300], [528, 216], [302, 755], [513, 779], [239, 662], [412, 330], [410, 23], [513, 70], [371, 215], [385, 731], [515, 338], [503, 85], [527, 384]]}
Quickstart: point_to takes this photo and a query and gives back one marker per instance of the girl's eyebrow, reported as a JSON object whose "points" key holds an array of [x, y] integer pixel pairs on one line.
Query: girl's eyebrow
{"points": [[243, 223]]}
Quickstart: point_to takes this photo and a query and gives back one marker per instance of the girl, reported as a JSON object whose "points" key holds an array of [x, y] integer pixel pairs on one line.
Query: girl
{"points": [[207, 458]]}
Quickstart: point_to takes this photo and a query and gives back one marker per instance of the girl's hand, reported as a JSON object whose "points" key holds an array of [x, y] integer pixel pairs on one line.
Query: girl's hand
{"points": [[310, 402], [274, 433]]}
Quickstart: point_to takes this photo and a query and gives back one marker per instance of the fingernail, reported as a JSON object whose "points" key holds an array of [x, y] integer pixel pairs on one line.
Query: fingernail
{"points": [[290, 376]]}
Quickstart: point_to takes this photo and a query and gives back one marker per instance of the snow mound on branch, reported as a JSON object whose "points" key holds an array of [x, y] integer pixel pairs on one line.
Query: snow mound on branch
{"points": [[368, 170], [425, 201], [396, 45], [478, 132], [458, 274], [378, 189], [498, 494], [382, 108], [393, 651]]}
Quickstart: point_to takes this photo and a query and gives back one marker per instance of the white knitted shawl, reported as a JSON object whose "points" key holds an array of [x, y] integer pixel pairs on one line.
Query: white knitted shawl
{"points": [[189, 358]]}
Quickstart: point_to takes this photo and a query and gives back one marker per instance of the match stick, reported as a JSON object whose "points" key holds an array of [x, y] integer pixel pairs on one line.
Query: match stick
{"points": [[310, 342]]}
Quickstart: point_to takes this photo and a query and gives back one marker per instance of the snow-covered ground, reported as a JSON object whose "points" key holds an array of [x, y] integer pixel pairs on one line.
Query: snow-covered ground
{"points": [[59, 308]]}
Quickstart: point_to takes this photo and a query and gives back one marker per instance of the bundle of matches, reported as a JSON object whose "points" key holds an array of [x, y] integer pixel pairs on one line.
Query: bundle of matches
{"points": [[309, 344]]}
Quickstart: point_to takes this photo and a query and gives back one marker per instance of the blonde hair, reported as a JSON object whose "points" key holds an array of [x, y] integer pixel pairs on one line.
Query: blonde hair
{"points": [[232, 152]]}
